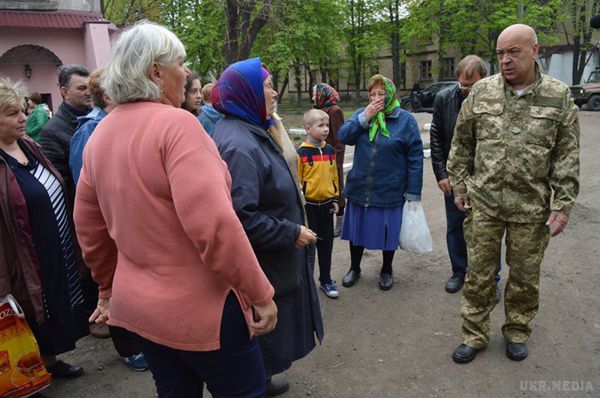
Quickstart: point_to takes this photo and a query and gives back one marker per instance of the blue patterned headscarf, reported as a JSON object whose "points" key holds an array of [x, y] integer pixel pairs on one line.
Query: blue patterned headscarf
{"points": [[239, 92]]}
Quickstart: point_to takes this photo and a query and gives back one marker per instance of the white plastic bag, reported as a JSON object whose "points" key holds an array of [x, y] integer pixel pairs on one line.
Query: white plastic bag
{"points": [[414, 233]]}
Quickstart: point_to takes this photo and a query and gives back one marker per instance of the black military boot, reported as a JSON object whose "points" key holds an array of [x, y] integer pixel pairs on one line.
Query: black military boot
{"points": [[516, 351], [464, 354]]}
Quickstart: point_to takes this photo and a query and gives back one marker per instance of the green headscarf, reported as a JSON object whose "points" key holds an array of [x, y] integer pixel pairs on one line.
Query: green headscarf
{"points": [[391, 103]]}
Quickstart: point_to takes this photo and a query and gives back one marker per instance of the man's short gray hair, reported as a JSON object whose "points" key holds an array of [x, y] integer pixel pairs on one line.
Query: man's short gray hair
{"points": [[469, 65], [127, 74], [67, 71]]}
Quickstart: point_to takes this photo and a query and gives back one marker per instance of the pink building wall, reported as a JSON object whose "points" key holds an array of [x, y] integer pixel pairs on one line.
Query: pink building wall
{"points": [[89, 47], [97, 45]]}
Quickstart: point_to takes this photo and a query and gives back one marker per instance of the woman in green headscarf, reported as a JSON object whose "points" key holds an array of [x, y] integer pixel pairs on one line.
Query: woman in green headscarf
{"points": [[387, 170]]}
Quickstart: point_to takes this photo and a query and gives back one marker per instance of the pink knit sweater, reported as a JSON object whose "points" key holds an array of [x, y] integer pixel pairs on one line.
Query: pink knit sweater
{"points": [[154, 218]]}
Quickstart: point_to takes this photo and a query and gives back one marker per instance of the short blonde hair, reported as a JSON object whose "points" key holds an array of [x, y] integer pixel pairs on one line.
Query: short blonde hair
{"points": [[376, 80], [11, 94], [127, 75], [312, 116]]}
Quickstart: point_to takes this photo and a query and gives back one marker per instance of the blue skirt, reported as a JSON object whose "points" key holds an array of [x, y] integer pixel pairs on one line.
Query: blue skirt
{"points": [[374, 228]]}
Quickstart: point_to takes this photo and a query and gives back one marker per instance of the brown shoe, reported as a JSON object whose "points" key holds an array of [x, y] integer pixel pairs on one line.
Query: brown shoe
{"points": [[99, 330]]}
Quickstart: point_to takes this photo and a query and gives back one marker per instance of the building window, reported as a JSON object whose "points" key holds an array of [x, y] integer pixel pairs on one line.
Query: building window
{"points": [[447, 68], [425, 70]]}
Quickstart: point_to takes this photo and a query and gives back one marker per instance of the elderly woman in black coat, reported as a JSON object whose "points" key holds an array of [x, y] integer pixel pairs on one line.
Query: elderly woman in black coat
{"points": [[268, 203]]}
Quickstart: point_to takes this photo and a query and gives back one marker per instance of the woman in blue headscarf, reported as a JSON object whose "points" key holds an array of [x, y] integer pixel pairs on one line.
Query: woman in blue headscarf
{"points": [[267, 202]]}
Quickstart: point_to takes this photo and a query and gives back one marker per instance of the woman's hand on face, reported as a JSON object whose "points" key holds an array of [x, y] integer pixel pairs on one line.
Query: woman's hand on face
{"points": [[374, 108], [306, 236], [102, 311]]}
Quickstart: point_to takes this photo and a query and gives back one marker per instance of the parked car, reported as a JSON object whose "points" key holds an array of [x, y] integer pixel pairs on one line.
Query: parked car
{"points": [[588, 92], [422, 101]]}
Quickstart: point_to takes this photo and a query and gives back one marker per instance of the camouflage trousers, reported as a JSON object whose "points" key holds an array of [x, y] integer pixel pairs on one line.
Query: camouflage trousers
{"points": [[525, 246]]}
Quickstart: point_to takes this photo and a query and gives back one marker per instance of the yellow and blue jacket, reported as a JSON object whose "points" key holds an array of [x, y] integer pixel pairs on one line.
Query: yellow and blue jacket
{"points": [[317, 171]]}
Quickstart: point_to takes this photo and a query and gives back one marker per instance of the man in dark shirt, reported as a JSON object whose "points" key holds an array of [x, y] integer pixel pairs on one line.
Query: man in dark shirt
{"points": [[445, 111], [55, 137]]}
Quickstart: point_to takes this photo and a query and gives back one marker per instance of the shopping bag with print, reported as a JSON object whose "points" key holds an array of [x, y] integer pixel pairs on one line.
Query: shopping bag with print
{"points": [[22, 372]]}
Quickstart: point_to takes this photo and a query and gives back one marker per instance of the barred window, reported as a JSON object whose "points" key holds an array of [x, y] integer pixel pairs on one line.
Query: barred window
{"points": [[447, 68], [425, 70]]}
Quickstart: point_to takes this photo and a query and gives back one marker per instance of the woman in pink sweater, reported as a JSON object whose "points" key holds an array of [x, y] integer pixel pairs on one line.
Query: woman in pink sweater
{"points": [[155, 220]]}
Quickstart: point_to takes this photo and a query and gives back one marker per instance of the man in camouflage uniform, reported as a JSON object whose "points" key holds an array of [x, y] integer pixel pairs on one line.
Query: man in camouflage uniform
{"points": [[514, 167]]}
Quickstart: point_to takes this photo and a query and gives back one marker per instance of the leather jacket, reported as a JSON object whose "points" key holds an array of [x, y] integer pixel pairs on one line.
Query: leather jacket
{"points": [[55, 140], [445, 111]]}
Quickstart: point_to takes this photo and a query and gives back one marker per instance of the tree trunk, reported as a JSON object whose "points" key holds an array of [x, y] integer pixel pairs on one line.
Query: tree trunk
{"points": [[581, 38], [275, 79], [355, 21], [441, 44], [298, 82], [576, 71], [230, 47], [311, 79], [324, 74], [357, 85], [241, 29], [394, 10], [284, 86]]}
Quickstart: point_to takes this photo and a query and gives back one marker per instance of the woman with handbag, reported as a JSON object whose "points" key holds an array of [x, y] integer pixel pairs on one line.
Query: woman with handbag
{"points": [[39, 265], [387, 170]]}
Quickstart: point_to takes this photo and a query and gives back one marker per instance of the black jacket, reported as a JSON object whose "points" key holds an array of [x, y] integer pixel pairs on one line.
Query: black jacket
{"points": [[445, 111], [55, 140], [265, 199], [268, 204]]}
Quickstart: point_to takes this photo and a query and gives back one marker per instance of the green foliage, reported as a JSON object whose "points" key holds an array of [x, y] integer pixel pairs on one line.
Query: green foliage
{"points": [[325, 37], [473, 26], [301, 33], [127, 12], [365, 36], [576, 15], [307, 31], [199, 24]]}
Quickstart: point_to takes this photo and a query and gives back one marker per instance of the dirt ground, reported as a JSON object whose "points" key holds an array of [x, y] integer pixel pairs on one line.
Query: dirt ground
{"points": [[398, 343]]}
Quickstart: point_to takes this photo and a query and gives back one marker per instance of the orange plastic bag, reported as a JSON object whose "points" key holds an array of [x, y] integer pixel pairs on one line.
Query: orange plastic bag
{"points": [[22, 372]]}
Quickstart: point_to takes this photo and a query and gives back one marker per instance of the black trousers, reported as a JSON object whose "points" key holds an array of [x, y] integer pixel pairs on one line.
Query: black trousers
{"points": [[235, 370], [320, 220]]}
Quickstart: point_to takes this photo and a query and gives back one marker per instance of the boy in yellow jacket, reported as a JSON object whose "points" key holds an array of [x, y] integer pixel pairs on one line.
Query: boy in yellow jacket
{"points": [[318, 176]]}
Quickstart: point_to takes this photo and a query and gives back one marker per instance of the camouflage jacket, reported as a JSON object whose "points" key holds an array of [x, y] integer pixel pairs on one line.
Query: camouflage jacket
{"points": [[517, 155]]}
